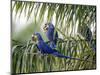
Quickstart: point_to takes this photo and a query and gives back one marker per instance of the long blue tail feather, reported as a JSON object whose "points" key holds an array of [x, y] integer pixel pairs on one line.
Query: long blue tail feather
{"points": [[67, 57]]}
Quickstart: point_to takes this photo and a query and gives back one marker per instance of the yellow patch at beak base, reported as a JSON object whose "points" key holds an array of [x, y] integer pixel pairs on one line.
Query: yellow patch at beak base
{"points": [[45, 28], [34, 38]]}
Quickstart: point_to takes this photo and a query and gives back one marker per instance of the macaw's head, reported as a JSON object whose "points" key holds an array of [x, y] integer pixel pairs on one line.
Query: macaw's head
{"points": [[48, 26], [36, 37]]}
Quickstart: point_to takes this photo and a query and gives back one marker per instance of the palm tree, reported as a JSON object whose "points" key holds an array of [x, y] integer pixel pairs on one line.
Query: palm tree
{"points": [[73, 22]]}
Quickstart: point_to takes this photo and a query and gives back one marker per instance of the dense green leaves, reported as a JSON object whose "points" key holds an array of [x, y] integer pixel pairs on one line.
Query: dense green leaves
{"points": [[26, 59], [71, 22]]}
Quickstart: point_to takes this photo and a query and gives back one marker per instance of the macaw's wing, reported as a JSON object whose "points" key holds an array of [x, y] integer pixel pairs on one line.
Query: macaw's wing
{"points": [[50, 34], [54, 42], [45, 48]]}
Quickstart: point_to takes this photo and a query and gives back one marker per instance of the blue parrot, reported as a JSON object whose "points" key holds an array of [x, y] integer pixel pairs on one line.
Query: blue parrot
{"points": [[89, 38], [51, 34], [45, 49]]}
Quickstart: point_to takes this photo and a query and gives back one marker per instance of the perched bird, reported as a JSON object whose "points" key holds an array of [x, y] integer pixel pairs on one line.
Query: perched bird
{"points": [[51, 34], [45, 49], [88, 36]]}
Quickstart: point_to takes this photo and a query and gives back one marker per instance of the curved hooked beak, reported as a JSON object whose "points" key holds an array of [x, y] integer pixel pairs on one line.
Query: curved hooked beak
{"points": [[34, 38], [45, 28]]}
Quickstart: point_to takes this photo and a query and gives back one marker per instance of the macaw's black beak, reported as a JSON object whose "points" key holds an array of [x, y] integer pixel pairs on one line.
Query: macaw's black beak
{"points": [[45, 28], [34, 38]]}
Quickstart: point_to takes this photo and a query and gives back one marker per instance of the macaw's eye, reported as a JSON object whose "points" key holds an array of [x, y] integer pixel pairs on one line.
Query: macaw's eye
{"points": [[34, 38]]}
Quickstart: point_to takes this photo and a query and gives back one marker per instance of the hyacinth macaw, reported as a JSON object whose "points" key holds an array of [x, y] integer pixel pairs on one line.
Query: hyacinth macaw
{"points": [[51, 34], [45, 49], [89, 38]]}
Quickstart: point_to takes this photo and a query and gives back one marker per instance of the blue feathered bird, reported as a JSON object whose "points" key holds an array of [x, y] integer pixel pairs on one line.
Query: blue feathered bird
{"points": [[51, 34], [45, 49], [89, 38]]}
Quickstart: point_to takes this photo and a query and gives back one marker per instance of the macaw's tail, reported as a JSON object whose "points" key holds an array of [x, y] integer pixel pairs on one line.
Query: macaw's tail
{"points": [[62, 56], [57, 54]]}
